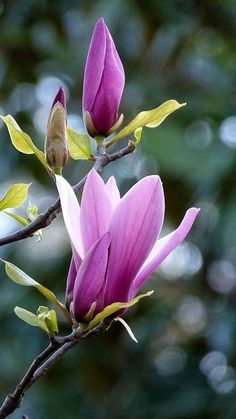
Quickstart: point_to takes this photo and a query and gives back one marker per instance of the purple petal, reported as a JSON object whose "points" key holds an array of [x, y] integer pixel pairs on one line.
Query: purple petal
{"points": [[60, 97], [105, 109], [134, 227], [90, 277], [94, 65], [96, 210], [163, 248], [71, 213], [71, 278], [113, 191]]}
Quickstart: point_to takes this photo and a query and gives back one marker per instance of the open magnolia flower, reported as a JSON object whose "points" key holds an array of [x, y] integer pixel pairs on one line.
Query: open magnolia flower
{"points": [[115, 241]]}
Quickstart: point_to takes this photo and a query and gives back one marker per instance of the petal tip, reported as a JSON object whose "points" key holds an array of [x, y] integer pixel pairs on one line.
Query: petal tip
{"points": [[60, 97], [194, 211]]}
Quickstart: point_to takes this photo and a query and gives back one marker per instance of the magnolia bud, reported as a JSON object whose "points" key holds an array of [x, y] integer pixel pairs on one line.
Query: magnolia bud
{"points": [[104, 80], [56, 148]]}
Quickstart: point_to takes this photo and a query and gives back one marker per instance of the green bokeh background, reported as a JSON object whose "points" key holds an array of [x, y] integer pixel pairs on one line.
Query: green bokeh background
{"points": [[184, 364]]}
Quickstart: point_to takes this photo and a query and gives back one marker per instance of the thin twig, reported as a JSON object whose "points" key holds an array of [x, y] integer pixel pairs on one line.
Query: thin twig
{"points": [[13, 401], [48, 216], [41, 364]]}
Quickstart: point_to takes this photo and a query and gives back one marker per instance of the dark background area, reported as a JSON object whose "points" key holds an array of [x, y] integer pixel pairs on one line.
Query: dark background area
{"points": [[184, 364]]}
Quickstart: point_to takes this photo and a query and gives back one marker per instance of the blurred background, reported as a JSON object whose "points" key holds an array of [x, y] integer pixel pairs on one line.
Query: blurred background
{"points": [[184, 366]]}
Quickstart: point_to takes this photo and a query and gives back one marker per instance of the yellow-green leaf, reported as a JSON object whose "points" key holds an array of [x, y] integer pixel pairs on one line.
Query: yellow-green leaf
{"points": [[32, 211], [21, 278], [114, 307], [31, 318], [51, 321], [22, 141], [17, 217], [138, 136], [150, 119], [79, 145], [23, 221], [15, 196], [49, 317]]}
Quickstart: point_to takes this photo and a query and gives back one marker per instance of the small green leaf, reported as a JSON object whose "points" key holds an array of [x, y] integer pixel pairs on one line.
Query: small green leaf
{"points": [[51, 321], [17, 217], [21, 278], [15, 196], [31, 319], [49, 317], [150, 119], [18, 276], [114, 307], [32, 211], [22, 141], [79, 145], [39, 235], [23, 221], [138, 136], [42, 310]]}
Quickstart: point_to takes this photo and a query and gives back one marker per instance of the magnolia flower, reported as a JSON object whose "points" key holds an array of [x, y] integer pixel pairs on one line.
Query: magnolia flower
{"points": [[104, 80], [56, 148], [115, 241]]}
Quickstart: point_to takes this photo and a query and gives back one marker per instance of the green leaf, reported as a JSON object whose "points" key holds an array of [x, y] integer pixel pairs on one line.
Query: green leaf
{"points": [[21, 278], [23, 221], [17, 217], [79, 145], [32, 211], [138, 136], [150, 119], [114, 307], [49, 317], [31, 319], [22, 141], [51, 321], [15, 196]]}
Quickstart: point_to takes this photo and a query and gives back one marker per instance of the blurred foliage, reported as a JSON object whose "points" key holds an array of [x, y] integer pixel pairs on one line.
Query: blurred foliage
{"points": [[184, 364]]}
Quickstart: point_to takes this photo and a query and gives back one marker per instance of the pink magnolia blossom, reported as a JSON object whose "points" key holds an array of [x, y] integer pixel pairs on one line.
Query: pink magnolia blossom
{"points": [[104, 80], [115, 241]]}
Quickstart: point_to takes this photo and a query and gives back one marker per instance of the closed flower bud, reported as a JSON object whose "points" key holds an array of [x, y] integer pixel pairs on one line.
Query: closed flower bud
{"points": [[56, 148], [104, 80]]}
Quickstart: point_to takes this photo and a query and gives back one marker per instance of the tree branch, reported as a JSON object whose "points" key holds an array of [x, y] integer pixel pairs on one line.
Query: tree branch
{"points": [[41, 364], [48, 216], [13, 401]]}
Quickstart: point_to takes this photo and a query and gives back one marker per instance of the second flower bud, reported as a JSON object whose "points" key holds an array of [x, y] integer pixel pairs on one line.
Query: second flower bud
{"points": [[56, 148]]}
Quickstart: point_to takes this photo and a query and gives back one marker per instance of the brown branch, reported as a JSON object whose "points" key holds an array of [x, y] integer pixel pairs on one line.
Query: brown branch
{"points": [[48, 216], [41, 364], [13, 401]]}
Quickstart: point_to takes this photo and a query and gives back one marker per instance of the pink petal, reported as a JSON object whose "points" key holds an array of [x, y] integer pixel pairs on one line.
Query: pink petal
{"points": [[60, 97], [113, 191], [96, 210], [95, 60], [90, 277], [163, 248], [71, 213], [106, 105], [134, 227], [71, 278]]}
